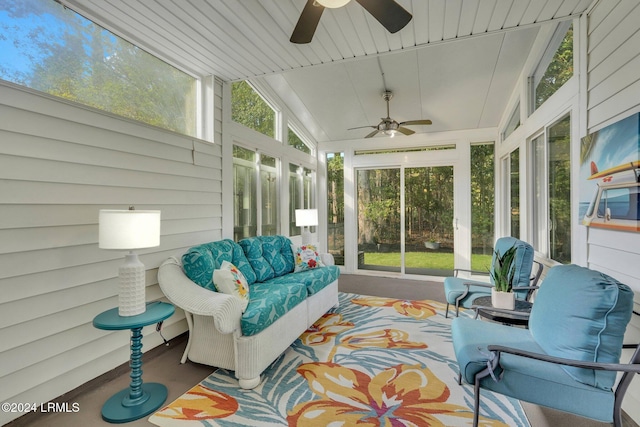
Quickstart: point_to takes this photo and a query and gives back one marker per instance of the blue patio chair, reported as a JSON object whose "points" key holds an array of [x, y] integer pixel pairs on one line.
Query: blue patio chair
{"points": [[462, 292], [567, 359]]}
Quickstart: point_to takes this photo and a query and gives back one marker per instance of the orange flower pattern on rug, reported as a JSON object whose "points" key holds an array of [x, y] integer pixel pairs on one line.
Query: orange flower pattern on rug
{"points": [[402, 395], [416, 309], [370, 362], [200, 403], [325, 330]]}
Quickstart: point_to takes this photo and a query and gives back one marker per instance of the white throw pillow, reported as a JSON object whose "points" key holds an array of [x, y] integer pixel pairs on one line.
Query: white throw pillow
{"points": [[306, 257], [229, 280]]}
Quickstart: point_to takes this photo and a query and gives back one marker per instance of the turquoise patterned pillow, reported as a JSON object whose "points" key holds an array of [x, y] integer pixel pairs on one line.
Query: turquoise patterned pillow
{"points": [[277, 251], [252, 248], [198, 265]]}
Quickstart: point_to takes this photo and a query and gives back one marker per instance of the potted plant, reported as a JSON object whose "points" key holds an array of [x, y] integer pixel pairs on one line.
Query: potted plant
{"points": [[502, 275]]}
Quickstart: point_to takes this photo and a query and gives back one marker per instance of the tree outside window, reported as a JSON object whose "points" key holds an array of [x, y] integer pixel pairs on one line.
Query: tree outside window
{"points": [[52, 49]]}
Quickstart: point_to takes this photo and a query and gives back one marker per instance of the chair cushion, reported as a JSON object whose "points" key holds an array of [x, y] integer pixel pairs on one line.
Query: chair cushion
{"points": [[277, 252], [252, 247], [582, 314], [454, 287], [527, 379]]}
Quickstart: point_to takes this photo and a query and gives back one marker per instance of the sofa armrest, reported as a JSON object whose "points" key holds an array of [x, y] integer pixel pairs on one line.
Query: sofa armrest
{"points": [[327, 259], [182, 292]]}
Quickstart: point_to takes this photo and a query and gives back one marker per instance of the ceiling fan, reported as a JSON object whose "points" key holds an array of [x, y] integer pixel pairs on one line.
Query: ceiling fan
{"points": [[389, 13], [391, 127]]}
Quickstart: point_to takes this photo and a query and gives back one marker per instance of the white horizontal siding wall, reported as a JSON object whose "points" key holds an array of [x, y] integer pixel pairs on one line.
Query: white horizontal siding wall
{"points": [[614, 93], [59, 165]]}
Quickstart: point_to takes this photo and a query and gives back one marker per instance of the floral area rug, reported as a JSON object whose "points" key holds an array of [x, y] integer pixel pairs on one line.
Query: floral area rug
{"points": [[370, 362]]}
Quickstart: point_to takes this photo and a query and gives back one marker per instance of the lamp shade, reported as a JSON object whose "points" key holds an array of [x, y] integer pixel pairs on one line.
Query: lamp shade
{"points": [[128, 229], [306, 217]]}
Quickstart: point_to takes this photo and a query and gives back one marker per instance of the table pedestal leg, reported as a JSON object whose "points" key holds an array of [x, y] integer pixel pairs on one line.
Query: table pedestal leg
{"points": [[139, 399]]}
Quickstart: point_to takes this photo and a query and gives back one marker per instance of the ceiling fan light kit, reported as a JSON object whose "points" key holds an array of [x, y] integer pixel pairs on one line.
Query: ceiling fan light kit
{"points": [[390, 127], [390, 14], [332, 4]]}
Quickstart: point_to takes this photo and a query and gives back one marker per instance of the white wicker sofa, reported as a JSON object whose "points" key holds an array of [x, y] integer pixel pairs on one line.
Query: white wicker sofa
{"points": [[282, 305]]}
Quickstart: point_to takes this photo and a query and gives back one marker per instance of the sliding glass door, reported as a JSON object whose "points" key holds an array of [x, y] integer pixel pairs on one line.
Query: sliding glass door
{"points": [[405, 219]]}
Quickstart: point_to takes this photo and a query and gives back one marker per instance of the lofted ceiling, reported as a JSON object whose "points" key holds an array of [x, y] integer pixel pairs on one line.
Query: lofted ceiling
{"points": [[456, 63]]}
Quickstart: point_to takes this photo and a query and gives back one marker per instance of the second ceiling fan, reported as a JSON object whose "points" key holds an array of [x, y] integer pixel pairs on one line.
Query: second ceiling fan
{"points": [[389, 126], [389, 13]]}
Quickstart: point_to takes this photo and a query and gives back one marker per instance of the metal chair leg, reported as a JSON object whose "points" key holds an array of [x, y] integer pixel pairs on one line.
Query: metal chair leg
{"points": [[476, 404]]}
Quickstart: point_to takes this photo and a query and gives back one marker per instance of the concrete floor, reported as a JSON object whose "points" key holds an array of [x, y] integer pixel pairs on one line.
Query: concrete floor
{"points": [[162, 365]]}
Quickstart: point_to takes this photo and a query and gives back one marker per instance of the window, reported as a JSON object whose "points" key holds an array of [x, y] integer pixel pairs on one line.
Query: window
{"points": [[244, 193], [482, 201], [511, 169], [246, 182], [552, 191], [269, 184], [555, 68], [47, 47], [619, 203], [250, 109], [335, 206], [301, 194], [294, 140], [513, 123]]}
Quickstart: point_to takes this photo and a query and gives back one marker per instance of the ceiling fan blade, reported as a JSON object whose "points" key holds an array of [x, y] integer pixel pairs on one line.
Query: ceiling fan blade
{"points": [[362, 127], [415, 122], [307, 23], [389, 13], [405, 131], [372, 134]]}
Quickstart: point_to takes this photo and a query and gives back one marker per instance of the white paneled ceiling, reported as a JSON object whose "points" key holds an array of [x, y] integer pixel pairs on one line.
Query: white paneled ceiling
{"points": [[455, 63]]}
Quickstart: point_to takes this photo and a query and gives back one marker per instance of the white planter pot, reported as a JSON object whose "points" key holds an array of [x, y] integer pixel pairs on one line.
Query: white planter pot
{"points": [[506, 300]]}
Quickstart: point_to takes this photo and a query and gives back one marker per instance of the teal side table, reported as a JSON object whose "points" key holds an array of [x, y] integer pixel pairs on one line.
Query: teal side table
{"points": [[139, 399]]}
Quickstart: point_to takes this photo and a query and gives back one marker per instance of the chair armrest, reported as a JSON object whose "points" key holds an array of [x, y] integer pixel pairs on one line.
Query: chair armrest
{"points": [[482, 285], [618, 367], [182, 292], [327, 259]]}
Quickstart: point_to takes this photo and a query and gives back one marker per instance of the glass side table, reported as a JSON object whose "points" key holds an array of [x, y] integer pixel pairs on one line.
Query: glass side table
{"points": [[139, 399], [519, 316]]}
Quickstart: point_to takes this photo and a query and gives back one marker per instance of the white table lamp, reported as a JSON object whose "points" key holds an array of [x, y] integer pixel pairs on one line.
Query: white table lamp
{"points": [[129, 230], [306, 218]]}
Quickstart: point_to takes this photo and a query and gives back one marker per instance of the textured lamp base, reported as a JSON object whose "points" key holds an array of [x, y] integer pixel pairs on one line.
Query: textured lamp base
{"points": [[131, 293]]}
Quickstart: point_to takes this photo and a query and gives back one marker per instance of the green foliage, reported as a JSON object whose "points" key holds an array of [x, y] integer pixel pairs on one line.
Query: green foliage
{"points": [[294, 140], [431, 260], [65, 55], [248, 108], [558, 72], [503, 270]]}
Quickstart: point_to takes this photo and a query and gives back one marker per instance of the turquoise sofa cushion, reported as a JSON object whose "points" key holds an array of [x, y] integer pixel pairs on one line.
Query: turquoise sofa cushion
{"points": [[253, 250], [200, 261], [277, 252], [590, 310], [314, 280], [268, 303]]}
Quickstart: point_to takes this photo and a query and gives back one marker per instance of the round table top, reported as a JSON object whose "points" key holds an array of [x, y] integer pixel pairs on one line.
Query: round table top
{"points": [[156, 312]]}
